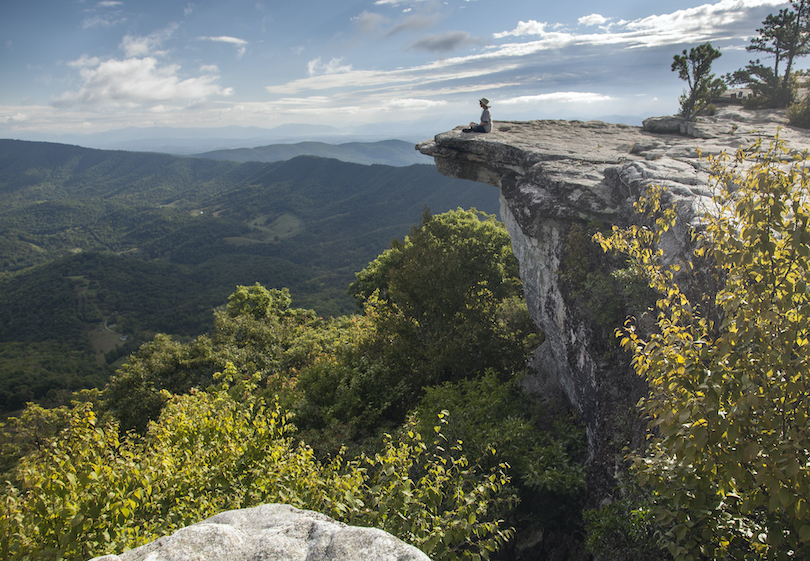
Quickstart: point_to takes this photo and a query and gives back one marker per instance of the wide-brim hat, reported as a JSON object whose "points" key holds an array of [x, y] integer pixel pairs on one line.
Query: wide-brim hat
{"points": [[484, 100]]}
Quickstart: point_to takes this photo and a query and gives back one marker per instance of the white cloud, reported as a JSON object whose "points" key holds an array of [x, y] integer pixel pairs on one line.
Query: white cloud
{"points": [[396, 2], [225, 39], [593, 19], [530, 27], [148, 45], [136, 81], [109, 4], [107, 20], [316, 67], [411, 103], [240, 43], [696, 24], [15, 118], [189, 9], [562, 97]]}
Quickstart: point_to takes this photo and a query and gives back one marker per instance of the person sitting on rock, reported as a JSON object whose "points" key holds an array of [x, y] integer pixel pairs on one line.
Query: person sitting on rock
{"points": [[486, 121]]}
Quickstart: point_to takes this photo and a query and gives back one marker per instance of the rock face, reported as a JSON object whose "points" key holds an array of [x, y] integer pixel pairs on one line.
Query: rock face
{"points": [[273, 532], [555, 174]]}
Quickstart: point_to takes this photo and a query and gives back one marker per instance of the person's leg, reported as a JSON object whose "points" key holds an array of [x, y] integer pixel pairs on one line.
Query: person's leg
{"points": [[479, 128]]}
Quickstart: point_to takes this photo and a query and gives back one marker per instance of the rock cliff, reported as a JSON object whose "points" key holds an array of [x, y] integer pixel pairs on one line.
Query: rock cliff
{"points": [[557, 176], [273, 532]]}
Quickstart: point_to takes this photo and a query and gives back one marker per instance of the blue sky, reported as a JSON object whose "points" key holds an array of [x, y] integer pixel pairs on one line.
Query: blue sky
{"points": [[73, 66]]}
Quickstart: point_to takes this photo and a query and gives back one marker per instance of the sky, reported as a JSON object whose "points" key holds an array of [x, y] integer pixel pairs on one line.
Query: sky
{"points": [[72, 66]]}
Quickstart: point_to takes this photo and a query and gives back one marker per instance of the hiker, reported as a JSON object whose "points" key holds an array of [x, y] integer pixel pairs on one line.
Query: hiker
{"points": [[486, 121]]}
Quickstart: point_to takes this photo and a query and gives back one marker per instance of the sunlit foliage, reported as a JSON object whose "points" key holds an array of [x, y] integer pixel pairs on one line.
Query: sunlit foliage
{"points": [[729, 449]]}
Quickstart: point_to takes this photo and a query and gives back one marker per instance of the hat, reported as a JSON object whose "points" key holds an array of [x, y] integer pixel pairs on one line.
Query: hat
{"points": [[484, 100]]}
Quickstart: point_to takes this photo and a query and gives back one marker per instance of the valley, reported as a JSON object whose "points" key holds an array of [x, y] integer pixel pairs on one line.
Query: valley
{"points": [[160, 241]]}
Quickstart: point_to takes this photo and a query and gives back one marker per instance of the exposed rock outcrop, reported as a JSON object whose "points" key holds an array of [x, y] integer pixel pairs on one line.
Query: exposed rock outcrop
{"points": [[273, 532], [555, 174]]}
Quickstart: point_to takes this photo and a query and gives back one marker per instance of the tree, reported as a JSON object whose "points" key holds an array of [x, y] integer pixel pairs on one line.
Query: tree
{"points": [[447, 301], [694, 67], [729, 455], [784, 36], [257, 332]]}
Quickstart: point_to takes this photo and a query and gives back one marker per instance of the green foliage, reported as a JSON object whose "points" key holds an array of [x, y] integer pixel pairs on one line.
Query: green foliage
{"points": [[46, 372], [488, 414], [624, 530], [437, 297], [434, 498], [694, 67], [256, 332], [798, 113], [728, 458], [603, 287], [784, 36], [91, 491]]}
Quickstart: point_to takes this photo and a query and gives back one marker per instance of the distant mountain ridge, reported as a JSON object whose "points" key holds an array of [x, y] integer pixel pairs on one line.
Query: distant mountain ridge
{"points": [[386, 152]]}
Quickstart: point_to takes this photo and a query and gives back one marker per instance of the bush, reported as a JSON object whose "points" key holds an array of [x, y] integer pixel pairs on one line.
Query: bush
{"points": [[798, 113], [92, 491], [729, 456]]}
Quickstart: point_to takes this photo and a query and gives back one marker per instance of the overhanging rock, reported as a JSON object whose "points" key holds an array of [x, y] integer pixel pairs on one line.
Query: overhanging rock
{"points": [[553, 174]]}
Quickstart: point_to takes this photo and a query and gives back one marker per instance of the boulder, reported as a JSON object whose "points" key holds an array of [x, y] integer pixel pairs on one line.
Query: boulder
{"points": [[273, 532]]}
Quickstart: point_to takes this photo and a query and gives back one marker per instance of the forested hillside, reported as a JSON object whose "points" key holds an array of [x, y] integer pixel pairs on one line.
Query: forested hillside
{"points": [[152, 243]]}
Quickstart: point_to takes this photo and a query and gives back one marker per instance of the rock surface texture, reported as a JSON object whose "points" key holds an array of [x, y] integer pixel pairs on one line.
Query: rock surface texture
{"points": [[554, 174], [273, 532]]}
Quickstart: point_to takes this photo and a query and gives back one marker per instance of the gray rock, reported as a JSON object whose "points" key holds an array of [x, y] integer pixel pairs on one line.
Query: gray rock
{"points": [[552, 174], [273, 532]]}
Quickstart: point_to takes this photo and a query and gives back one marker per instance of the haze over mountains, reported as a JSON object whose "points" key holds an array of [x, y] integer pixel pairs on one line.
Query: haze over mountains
{"points": [[197, 140], [387, 152]]}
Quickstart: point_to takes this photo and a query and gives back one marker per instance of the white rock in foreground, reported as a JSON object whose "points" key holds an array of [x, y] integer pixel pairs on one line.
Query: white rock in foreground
{"points": [[273, 532]]}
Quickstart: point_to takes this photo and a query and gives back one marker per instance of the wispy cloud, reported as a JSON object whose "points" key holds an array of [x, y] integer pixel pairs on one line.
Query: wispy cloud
{"points": [[241, 44], [370, 22], [105, 20], [415, 22], [412, 103], [561, 97], [110, 15], [446, 42]]}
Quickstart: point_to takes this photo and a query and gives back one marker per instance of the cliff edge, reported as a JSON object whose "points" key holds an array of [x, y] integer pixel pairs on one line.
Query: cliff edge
{"points": [[559, 178]]}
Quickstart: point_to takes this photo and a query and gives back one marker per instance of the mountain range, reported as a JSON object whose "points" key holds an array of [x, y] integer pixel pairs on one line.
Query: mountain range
{"points": [[152, 242]]}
